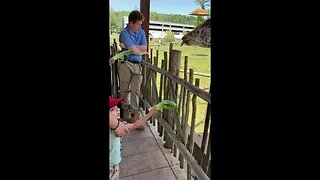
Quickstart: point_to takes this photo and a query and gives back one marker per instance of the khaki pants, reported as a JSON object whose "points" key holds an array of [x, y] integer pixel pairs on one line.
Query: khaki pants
{"points": [[114, 172], [130, 76]]}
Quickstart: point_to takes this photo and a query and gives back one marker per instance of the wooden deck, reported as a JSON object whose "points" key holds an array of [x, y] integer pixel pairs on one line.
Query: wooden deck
{"points": [[144, 157]]}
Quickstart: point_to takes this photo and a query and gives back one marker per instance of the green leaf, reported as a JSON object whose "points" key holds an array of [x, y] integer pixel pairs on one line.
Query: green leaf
{"points": [[122, 54], [166, 104]]}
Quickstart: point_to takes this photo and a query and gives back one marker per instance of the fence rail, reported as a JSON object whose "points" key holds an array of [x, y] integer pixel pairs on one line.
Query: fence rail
{"points": [[178, 135]]}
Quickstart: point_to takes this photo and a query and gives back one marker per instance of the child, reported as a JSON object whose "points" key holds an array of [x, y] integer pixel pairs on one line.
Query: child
{"points": [[118, 129]]}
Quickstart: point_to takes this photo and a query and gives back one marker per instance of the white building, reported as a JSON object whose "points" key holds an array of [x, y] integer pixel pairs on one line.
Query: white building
{"points": [[158, 28]]}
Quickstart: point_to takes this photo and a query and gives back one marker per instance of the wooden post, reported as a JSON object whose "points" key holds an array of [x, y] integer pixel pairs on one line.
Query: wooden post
{"points": [[193, 120], [144, 85], [160, 129], [149, 71], [156, 62], [174, 66], [144, 78], [165, 92], [154, 89], [151, 53], [145, 10], [185, 135], [114, 71], [183, 104], [205, 131]]}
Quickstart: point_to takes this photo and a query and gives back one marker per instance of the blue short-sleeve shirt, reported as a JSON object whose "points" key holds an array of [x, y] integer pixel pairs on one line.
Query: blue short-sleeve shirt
{"points": [[129, 38]]}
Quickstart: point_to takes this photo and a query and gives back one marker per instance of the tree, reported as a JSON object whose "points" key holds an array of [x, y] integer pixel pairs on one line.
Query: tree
{"points": [[205, 5], [169, 37], [115, 21]]}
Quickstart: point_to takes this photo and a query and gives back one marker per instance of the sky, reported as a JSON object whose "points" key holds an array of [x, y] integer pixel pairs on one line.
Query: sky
{"points": [[183, 7]]}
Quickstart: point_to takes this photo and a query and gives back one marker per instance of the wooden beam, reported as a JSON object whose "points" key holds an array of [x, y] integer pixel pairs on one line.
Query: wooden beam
{"points": [[195, 90], [145, 10]]}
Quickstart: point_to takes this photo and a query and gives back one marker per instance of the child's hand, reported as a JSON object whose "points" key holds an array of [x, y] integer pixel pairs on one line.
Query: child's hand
{"points": [[153, 110]]}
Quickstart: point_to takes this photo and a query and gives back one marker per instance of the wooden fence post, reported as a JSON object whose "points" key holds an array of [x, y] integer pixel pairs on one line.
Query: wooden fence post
{"points": [[174, 67], [183, 100]]}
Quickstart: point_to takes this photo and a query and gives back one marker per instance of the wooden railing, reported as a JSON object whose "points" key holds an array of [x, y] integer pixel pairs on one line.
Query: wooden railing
{"points": [[173, 125]]}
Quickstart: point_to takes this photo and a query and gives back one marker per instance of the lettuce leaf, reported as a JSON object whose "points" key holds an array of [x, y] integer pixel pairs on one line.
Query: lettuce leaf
{"points": [[166, 104]]}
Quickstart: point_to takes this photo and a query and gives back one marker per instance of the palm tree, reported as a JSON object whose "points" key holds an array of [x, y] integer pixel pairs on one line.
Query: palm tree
{"points": [[205, 5]]}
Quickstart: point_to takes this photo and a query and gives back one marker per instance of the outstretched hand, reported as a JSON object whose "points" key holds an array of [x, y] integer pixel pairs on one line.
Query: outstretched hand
{"points": [[153, 110]]}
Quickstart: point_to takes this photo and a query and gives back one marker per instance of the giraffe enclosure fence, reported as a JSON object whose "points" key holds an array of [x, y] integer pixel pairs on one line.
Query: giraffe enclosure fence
{"points": [[177, 127]]}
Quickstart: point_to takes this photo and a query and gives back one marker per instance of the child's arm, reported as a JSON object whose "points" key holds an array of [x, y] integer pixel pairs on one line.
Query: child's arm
{"points": [[141, 121], [118, 127]]}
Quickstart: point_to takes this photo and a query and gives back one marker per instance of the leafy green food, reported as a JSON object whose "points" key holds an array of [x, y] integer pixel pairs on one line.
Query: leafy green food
{"points": [[166, 104], [120, 55]]}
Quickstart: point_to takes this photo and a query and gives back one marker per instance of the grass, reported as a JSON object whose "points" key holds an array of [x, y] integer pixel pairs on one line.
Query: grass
{"points": [[198, 60]]}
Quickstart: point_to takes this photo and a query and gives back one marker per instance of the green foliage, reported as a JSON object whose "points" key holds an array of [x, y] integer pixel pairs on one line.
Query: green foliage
{"points": [[175, 18], [200, 20], [114, 23], [116, 17], [116, 20], [204, 3], [169, 37], [166, 104]]}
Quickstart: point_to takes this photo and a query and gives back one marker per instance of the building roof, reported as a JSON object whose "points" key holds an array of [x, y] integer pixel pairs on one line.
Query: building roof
{"points": [[199, 12]]}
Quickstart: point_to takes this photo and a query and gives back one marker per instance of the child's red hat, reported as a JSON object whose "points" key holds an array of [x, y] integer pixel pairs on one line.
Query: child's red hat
{"points": [[113, 101]]}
